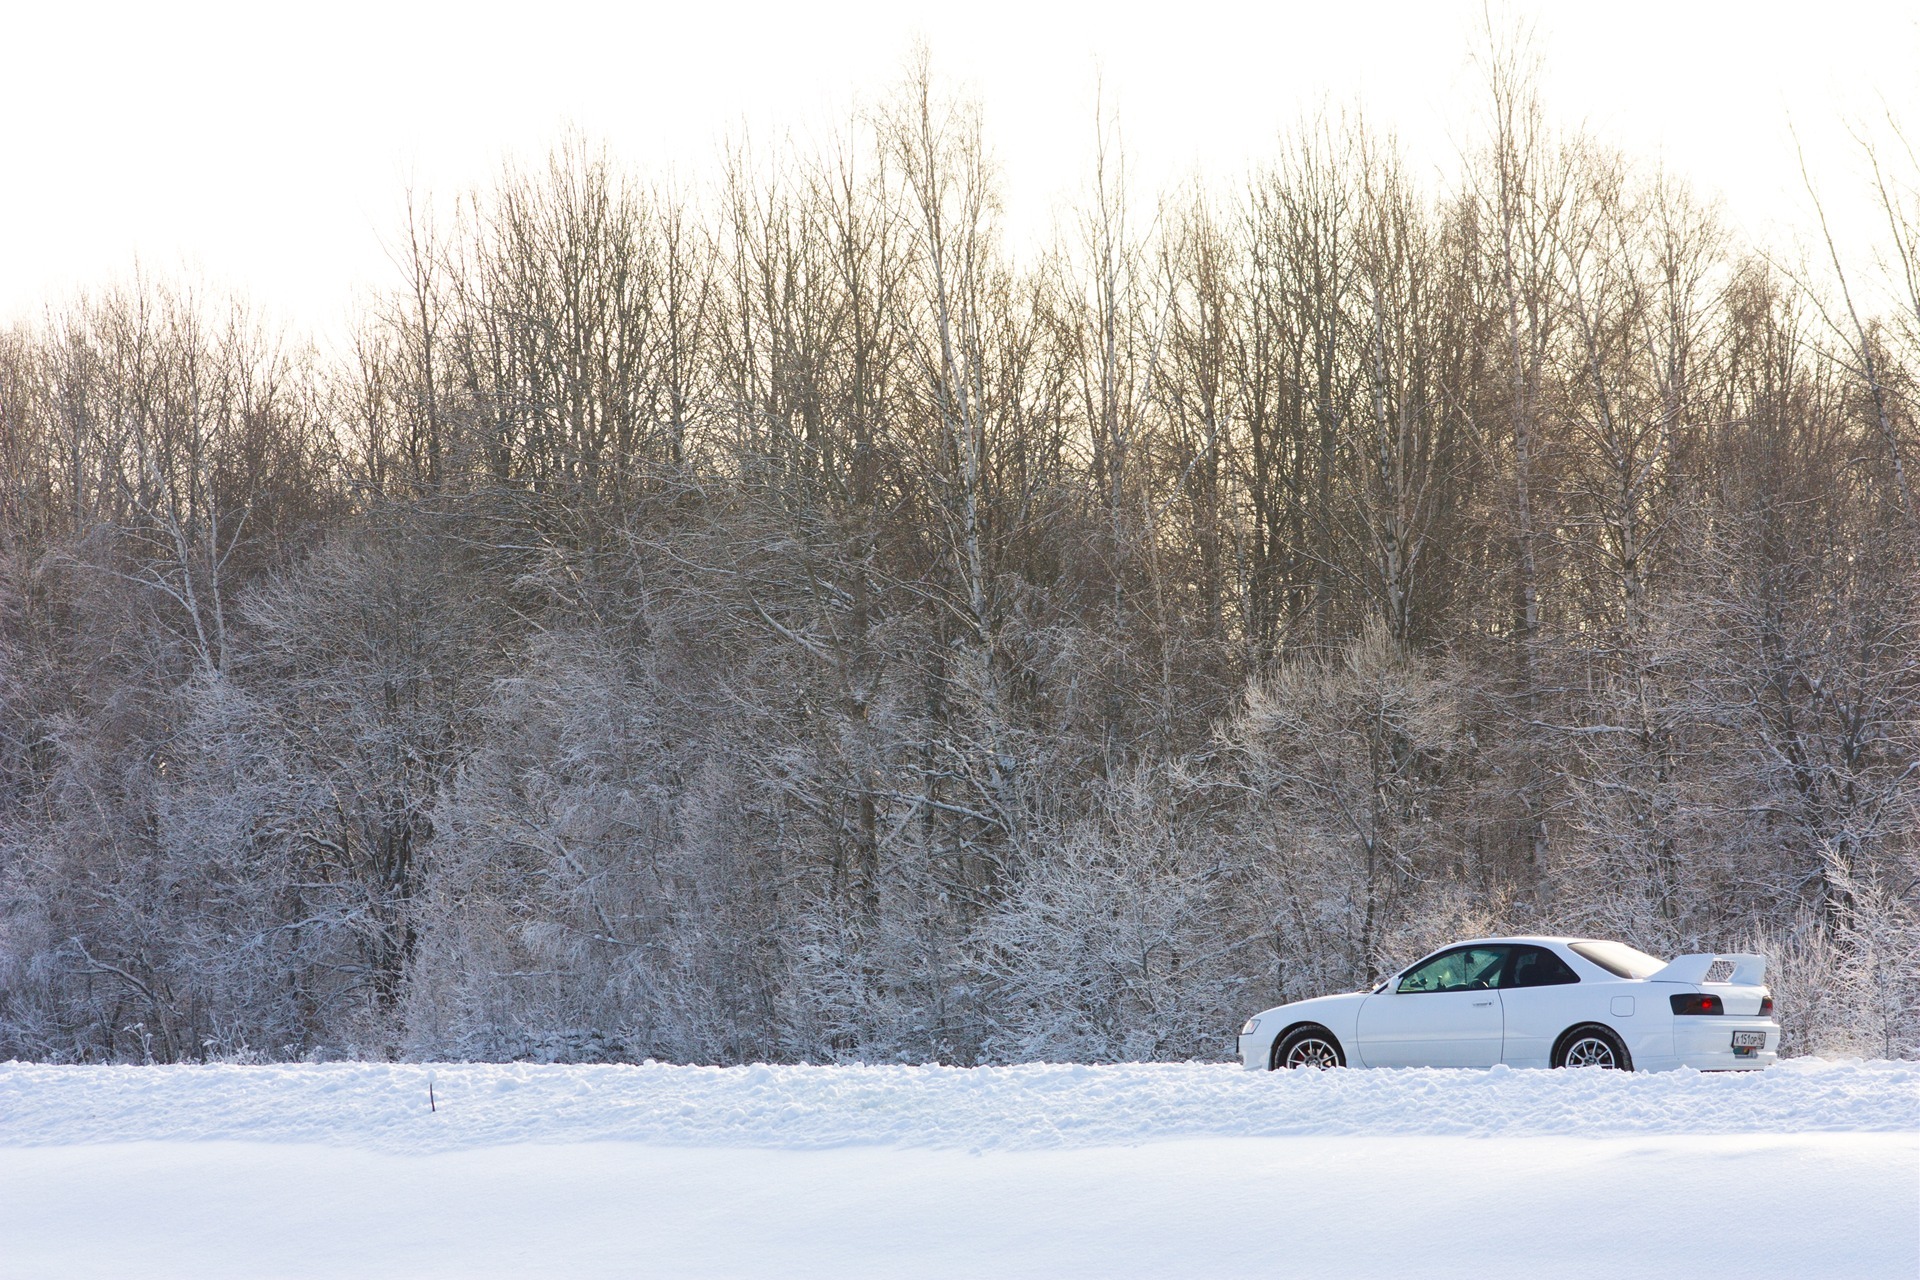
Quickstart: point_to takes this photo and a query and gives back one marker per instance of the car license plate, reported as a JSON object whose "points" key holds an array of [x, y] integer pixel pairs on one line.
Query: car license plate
{"points": [[1749, 1039]]}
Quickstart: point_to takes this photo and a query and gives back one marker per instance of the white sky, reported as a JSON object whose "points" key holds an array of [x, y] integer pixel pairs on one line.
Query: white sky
{"points": [[267, 151]]}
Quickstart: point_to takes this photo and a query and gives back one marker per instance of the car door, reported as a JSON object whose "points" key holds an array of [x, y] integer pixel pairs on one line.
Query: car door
{"points": [[1443, 1012], [1540, 996]]}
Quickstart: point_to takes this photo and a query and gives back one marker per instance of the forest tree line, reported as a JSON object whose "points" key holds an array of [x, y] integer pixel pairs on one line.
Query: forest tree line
{"points": [[777, 621]]}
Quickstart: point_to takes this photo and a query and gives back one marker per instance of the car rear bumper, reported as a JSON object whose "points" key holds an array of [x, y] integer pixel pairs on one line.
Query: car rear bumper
{"points": [[1706, 1044]]}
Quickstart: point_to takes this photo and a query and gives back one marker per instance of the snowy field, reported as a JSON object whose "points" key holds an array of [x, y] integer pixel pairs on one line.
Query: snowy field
{"points": [[1810, 1169]]}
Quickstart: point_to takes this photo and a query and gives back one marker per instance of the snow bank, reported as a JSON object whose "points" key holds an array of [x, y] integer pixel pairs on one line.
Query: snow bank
{"points": [[1810, 1169], [1825, 1205], [1037, 1107]]}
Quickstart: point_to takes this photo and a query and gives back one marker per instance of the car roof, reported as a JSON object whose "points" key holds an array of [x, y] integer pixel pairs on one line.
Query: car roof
{"points": [[1509, 938]]}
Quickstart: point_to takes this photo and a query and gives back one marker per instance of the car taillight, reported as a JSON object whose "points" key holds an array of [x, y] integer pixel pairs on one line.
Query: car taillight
{"points": [[1695, 1003], [1766, 1005]]}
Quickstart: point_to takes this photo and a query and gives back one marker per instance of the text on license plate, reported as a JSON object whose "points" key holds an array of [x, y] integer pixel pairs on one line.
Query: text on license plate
{"points": [[1749, 1039]]}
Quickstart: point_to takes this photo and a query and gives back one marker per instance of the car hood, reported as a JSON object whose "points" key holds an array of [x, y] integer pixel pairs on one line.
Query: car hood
{"points": [[1319, 1007]]}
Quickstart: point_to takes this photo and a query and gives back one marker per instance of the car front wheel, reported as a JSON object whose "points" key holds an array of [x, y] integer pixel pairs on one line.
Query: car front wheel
{"points": [[1311, 1047], [1592, 1047]]}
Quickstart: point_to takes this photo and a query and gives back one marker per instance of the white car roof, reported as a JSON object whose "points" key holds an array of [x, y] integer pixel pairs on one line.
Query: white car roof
{"points": [[1530, 937]]}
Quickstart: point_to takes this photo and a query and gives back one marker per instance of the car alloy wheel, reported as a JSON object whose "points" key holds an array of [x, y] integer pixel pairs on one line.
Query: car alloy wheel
{"points": [[1590, 1051], [1310, 1051]]}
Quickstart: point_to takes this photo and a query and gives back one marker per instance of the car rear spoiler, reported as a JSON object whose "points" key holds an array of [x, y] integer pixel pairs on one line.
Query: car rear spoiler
{"points": [[1746, 970]]}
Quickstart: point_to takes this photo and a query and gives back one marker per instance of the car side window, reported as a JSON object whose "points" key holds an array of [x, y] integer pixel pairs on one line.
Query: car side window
{"points": [[1462, 969], [1538, 967]]}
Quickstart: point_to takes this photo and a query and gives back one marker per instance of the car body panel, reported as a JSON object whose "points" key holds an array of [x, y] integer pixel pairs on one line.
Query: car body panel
{"points": [[1429, 1029], [1535, 1017], [1338, 1014]]}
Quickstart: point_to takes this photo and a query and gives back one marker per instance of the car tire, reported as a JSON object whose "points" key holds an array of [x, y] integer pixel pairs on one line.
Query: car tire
{"points": [[1309, 1046], [1591, 1046]]}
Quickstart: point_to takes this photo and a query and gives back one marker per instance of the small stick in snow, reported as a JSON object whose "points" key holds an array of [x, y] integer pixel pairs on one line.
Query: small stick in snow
{"points": [[431, 1106]]}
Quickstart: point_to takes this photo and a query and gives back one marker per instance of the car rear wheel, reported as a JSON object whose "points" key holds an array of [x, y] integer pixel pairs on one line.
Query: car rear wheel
{"points": [[1592, 1047], [1310, 1047]]}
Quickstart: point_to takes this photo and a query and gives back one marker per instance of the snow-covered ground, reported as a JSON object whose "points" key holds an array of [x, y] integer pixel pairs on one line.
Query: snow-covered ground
{"points": [[1810, 1169]]}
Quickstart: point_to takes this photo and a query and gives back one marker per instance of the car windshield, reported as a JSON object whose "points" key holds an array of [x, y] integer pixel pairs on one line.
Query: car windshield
{"points": [[1619, 959]]}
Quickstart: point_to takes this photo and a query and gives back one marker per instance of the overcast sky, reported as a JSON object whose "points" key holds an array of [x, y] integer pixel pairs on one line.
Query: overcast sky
{"points": [[267, 150]]}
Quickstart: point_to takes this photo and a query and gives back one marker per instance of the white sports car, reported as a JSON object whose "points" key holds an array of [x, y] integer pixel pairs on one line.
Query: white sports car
{"points": [[1533, 1002]]}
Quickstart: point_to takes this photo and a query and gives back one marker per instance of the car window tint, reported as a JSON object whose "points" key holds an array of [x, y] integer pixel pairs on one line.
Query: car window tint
{"points": [[1538, 967], [1462, 969], [1619, 959]]}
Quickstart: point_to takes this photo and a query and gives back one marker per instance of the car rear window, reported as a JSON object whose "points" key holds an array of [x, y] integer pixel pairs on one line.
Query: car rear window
{"points": [[1538, 967], [1619, 959]]}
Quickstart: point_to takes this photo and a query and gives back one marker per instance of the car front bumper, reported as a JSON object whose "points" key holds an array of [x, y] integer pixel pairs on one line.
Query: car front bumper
{"points": [[1255, 1051]]}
